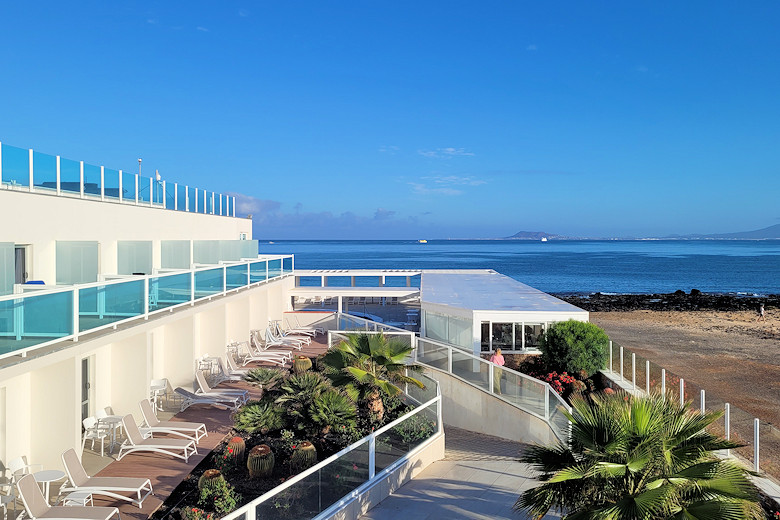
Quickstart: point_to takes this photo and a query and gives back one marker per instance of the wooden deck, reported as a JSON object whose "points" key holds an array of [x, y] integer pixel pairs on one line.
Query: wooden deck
{"points": [[167, 472]]}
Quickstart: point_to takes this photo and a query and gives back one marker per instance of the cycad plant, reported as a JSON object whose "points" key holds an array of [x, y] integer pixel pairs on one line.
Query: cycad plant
{"points": [[367, 366], [297, 397], [639, 458], [332, 409], [264, 377]]}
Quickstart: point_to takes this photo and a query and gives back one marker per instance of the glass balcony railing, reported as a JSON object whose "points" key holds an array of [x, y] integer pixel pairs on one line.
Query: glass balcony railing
{"points": [[38, 172], [36, 319]]}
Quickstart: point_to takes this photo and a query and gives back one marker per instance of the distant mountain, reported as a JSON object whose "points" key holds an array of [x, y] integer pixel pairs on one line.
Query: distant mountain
{"points": [[765, 233], [532, 235]]}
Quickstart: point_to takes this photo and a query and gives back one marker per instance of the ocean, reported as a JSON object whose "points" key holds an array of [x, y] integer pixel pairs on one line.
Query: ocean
{"points": [[566, 266]]}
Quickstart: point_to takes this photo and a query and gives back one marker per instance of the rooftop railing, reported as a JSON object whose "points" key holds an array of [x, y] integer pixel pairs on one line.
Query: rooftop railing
{"points": [[28, 170], [37, 319]]}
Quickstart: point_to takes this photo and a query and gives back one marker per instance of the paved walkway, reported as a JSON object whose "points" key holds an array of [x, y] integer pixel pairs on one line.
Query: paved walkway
{"points": [[479, 478]]}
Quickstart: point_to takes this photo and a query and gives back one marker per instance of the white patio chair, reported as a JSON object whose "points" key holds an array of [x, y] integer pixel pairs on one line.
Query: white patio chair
{"points": [[205, 389], [179, 448], [78, 480], [37, 508], [94, 431], [189, 398], [272, 340], [158, 389], [188, 430], [297, 325], [276, 326]]}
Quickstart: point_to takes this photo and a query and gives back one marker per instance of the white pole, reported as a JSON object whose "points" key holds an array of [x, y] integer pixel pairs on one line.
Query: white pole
{"points": [[755, 443], [728, 426], [647, 374], [621, 363], [633, 370], [663, 381], [682, 390], [610, 350], [701, 396], [1, 163], [102, 183], [30, 164], [121, 195], [81, 178], [59, 182]]}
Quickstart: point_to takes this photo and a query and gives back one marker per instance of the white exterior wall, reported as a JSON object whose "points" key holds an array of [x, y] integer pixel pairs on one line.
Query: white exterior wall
{"points": [[42, 393], [42, 219]]}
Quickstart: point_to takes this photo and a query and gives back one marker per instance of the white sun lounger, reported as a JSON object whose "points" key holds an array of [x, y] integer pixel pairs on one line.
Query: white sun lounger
{"points": [[224, 373], [294, 324], [188, 430], [78, 480], [275, 341], [232, 366], [38, 509], [179, 448], [259, 347], [189, 398], [205, 389], [276, 327]]}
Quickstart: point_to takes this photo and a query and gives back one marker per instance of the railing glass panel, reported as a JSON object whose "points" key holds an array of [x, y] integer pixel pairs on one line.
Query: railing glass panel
{"points": [[316, 492], [257, 272], [191, 198], [249, 248], [105, 304], [167, 291], [471, 369], [111, 182], [16, 166], [144, 190], [92, 180], [287, 265], [26, 322], [402, 438], [70, 176], [236, 276], [208, 282], [432, 354], [209, 202], [558, 421], [128, 186], [44, 171], [274, 268], [524, 392]]}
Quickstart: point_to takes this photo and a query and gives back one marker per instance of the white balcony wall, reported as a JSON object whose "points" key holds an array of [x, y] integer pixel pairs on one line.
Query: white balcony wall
{"points": [[43, 219]]}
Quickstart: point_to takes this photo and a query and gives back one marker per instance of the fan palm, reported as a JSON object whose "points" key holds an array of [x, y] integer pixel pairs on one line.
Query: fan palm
{"points": [[369, 365], [639, 458]]}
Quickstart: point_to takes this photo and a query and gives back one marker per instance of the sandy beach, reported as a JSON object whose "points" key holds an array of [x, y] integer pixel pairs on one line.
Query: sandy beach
{"points": [[727, 353]]}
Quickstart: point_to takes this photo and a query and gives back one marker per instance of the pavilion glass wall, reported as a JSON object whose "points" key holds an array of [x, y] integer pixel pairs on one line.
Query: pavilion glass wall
{"points": [[449, 329], [511, 335]]}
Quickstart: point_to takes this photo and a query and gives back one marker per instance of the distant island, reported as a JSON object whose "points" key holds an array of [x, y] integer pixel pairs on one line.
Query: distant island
{"points": [[767, 233]]}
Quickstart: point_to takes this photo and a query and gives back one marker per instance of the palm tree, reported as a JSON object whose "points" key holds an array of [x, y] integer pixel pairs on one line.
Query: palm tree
{"points": [[369, 365], [639, 458]]}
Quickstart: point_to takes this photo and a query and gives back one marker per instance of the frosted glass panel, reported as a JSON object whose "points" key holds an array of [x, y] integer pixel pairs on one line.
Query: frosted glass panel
{"points": [[459, 332], [134, 256], [77, 262], [7, 266], [205, 251], [435, 326], [175, 254], [249, 248], [229, 250]]}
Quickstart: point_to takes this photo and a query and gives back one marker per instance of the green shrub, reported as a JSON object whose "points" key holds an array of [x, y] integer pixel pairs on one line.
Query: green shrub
{"points": [[218, 496], [332, 409], [259, 416], [267, 378], [576, 347], [414, 429]]}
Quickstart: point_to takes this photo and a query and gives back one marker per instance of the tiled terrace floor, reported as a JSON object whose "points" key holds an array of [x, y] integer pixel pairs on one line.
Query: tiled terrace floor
{"points": [[479, 478]]}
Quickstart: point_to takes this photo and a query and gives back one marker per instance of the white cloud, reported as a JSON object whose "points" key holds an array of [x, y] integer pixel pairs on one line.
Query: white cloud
{"points": [[532, 47], [243, 13], [202, 29], [383, 214], [392, 150], [422, 189], [455, 180], [445, 153], [152, 21]]}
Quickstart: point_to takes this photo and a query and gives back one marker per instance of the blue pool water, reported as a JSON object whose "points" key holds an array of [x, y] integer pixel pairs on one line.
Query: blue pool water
{"points": [[572, 266]]}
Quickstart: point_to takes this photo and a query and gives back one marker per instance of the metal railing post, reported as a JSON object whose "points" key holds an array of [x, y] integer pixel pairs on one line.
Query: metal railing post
{"points": [[146, 298], [756, 465], [663, 382], [121, 194], [633, 370], [621, 363], [449, 360], [192, 288], [701, 397], [547, 391], [371, 456], [136, 188], [75, 314], [30, 164], [647, 375], [491, 377], [727, 426], [59, 172], [682, 390], [224, 280], [610, 354], [81, 179], [102, 183]]}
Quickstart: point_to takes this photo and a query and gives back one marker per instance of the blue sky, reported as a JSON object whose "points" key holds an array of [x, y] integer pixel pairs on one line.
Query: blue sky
{"points": [[416, 119]]}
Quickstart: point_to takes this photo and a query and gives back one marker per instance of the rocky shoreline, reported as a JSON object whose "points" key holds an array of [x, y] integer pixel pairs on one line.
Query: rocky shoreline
{"points": [[676, 301]]}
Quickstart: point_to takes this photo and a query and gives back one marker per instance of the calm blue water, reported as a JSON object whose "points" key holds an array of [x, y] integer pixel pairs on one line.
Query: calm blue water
{"points": [[620, 266]]}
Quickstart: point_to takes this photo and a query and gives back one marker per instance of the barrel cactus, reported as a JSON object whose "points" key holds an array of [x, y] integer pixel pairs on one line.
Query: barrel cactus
{"points": [[236, 448], [260, 461], [303, 456], [301, 364], [209, 476]]}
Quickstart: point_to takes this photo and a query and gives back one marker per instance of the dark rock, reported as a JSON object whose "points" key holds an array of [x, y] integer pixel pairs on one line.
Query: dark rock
{"points": [[679, 300]]}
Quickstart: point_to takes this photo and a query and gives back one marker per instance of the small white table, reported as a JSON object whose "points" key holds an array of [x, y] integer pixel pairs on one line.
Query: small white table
{"points": [[46, 477], [158, 391], [78, 498], [112, 422]]}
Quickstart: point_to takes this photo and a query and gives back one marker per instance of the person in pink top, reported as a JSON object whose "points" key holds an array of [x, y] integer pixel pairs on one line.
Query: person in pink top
{"points": [[497, 359]]}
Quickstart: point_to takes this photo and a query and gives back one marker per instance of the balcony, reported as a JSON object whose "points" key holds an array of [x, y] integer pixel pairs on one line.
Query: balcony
{"points": [[40, 318]]}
